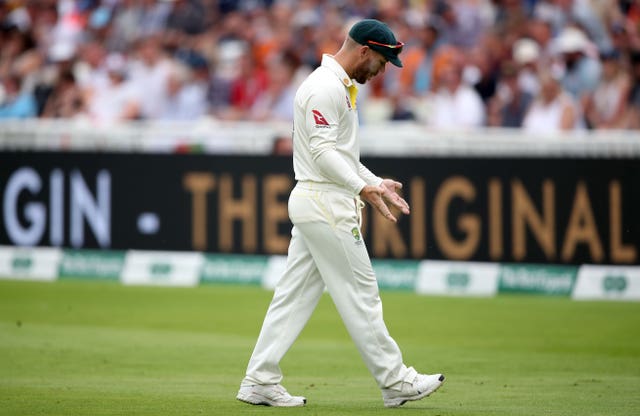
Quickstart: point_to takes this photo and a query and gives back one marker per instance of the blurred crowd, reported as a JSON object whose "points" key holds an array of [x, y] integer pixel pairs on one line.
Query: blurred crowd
{"points": [[541, 65]]}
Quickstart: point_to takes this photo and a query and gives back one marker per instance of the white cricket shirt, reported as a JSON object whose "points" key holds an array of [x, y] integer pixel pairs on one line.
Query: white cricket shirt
{"points": [[325, 128]]}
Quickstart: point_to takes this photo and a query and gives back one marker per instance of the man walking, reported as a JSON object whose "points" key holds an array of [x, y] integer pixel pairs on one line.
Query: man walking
{"points": [[326, 248]]}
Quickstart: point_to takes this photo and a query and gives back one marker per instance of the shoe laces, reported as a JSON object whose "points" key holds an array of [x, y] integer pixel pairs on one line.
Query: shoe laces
{"points": [[280, 390]]}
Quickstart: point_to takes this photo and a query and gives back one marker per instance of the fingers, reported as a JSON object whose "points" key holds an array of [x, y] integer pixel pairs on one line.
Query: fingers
{"points": [[377, 195], [403, 206], [397, 200], [391, 184], [384, 210], [399, 203], [374, 196]]}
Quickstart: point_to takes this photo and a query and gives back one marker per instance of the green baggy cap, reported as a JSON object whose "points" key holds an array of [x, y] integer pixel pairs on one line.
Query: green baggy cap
{"points": [[379, 37]]}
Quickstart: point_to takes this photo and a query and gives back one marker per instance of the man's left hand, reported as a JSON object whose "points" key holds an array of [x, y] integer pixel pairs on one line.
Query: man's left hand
{"points": [[390, 194]]}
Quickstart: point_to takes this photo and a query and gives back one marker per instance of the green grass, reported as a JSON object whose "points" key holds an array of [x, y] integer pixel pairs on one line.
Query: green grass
{"points": [[89, 348]]}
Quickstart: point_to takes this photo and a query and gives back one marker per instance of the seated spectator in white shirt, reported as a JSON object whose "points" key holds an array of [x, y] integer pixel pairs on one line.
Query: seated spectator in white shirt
{"points": [[119, 100], [150, 72], [453, 104], [90, 70], [554, 110], [187, 95]]}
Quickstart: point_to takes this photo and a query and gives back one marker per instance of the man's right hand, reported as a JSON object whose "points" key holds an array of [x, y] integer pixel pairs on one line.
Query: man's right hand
{"points": [[373, 195]]}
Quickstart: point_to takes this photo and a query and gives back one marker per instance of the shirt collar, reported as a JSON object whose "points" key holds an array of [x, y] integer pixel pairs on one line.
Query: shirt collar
{"points": [[330, 63]]}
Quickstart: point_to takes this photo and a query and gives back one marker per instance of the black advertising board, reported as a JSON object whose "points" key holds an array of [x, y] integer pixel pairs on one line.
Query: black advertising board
{"points": [[533, 210]]}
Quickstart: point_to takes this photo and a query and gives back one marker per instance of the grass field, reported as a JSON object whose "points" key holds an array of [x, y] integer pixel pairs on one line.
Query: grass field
{"points": [[88, 348]]}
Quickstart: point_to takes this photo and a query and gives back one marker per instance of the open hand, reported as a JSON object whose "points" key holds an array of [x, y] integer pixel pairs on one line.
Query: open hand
{"points": [[390, 194], [373, 195]]}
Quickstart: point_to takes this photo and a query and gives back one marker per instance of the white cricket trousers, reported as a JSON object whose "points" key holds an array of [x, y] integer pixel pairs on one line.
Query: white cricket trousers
{"points": [[327, 249]]}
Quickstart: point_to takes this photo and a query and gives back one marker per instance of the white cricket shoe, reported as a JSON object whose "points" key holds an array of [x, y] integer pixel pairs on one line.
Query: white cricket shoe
{"points": [[422, 386], [269, 395]]}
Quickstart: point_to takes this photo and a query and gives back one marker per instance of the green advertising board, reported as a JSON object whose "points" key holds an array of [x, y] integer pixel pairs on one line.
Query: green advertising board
{"points": [[396, 274], [21, 263], [538, 279], [91, 264], [221, 268]]}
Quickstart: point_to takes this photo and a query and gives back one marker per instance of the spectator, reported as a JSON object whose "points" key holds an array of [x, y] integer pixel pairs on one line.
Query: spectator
{"points": [[526, 54], [633, 112], [185, 22], [61, 59], [609, 12], [134, 20], [554, 109], [187, 17], [250, 81], [620, 38], [120, 99], [276, 101], [510, 104], [43, 42], [28, 67], [510, 15], [13, 43], [541, 31], [479, 72], [415, 77], [453, 103], [15, 103], [606, 106], [66, 99], [463, 21], [150, 73], [562, 13], [305, 27], [582, 71], [91, 70], [187, 90]]}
